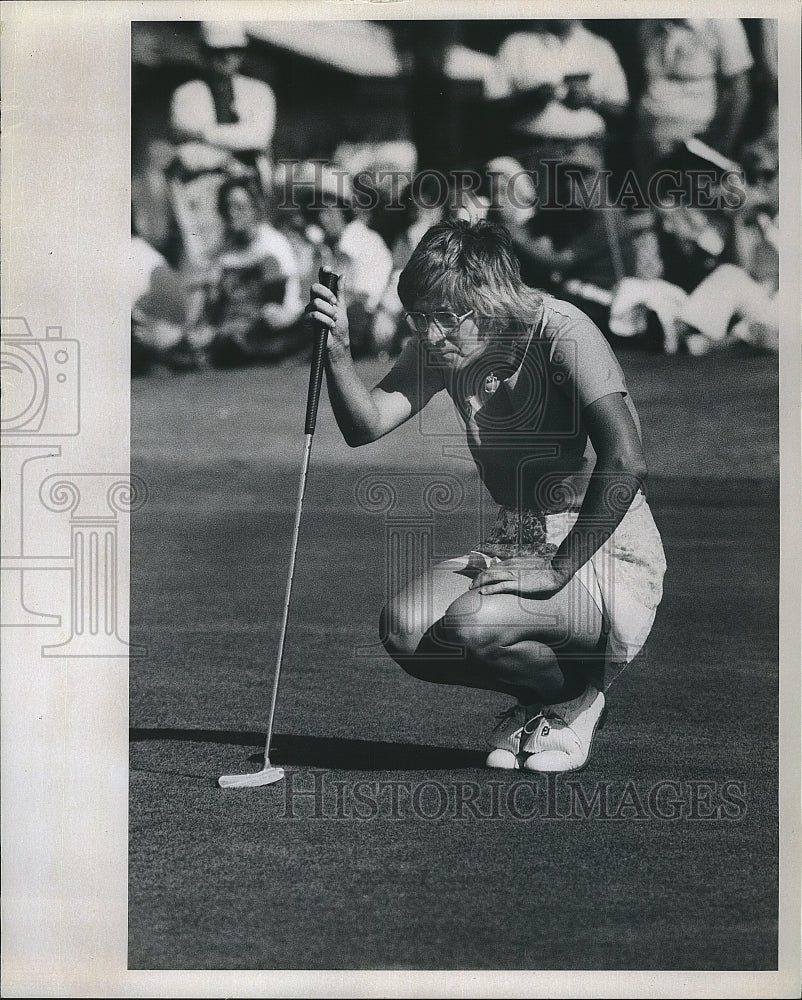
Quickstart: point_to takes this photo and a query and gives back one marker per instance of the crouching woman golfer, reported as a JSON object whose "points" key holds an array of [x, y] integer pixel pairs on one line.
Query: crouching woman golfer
{"points": [[563, 592]]}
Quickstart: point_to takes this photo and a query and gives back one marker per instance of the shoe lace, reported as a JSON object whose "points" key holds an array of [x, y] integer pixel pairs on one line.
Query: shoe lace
{"points": [[547, 713]]}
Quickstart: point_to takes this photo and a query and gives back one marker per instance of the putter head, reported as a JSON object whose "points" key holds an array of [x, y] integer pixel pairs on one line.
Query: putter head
{"points": [[266, 776]]}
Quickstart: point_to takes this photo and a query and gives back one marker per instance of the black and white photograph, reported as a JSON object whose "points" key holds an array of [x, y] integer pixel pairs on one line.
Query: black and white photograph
{"points": [[401, 533]]}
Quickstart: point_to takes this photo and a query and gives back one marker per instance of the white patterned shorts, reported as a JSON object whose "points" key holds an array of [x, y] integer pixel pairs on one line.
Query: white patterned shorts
{"points": [[624, 577]]}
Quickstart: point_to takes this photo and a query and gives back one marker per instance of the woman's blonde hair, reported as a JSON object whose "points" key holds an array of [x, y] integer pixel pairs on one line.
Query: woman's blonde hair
{"points": [[471, 266]]}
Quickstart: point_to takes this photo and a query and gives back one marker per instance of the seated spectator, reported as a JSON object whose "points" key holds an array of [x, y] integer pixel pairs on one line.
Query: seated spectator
{"points": [[378, 165], [696, 72], [511, 188], [255, 306], [512, 203], [578, 249], [223, 126], [158, 311], [345, 243], [739, 300], [694, 224], [577, 238], [512, 192]]}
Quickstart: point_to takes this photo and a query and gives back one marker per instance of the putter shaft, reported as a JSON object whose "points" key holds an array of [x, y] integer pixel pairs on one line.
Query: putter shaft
{"points": [[288, 594], [269, 774]]}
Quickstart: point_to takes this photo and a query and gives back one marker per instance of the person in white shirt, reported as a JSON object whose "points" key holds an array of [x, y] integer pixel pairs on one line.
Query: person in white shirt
{"points": [[737, 301], [555, 82], [223, 126], [345, 243], [256, 304], [228, 115], [697, 85]]}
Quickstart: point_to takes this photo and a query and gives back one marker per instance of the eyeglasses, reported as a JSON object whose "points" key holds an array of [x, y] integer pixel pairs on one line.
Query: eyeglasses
{"points": [[446, 322]]}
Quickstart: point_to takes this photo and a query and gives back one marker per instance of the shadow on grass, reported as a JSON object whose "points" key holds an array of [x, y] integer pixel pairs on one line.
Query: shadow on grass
{"points": [[327, 752]]}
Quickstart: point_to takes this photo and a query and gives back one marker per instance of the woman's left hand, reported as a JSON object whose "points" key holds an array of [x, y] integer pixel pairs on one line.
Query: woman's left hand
{"points": [[526, 576]]}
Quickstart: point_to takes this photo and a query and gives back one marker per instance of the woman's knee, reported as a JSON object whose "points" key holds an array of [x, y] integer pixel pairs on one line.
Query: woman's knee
{"points": [[487, 626], [400, 635], [475, 624], [488, 645]]}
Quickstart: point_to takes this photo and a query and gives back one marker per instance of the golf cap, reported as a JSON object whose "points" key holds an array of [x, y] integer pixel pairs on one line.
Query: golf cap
{"points": [[223, 35], [320, 177]]}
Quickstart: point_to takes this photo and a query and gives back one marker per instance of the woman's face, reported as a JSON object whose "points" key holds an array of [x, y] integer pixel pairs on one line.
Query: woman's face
{"points": [[454, 341]]}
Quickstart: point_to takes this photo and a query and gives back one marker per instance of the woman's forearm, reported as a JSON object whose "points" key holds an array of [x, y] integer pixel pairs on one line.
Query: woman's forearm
{"points": [[611, 489], [354, 409]]}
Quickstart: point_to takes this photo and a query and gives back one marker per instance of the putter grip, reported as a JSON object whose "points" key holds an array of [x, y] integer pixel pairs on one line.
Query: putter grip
{"points": [[329, 279]]}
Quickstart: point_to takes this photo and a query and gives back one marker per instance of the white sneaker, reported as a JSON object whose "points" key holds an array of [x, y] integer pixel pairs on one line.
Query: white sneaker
{"points": [[506, 737], [560, 738]]}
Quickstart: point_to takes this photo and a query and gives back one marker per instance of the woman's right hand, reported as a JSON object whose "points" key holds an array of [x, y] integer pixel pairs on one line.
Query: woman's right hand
{"points": [[329, 309]]}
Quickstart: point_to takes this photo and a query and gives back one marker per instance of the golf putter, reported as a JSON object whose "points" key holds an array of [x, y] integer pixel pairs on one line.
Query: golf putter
{"points": [[269, 773]]}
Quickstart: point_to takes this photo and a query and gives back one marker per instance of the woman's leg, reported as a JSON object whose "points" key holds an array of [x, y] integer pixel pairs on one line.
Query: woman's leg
{"points": [[440, 631], [410, 629], [542, 647]]}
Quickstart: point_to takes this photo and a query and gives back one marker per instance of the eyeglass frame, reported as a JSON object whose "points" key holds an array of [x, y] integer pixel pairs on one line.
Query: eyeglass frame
{"points": [[430, 317]]}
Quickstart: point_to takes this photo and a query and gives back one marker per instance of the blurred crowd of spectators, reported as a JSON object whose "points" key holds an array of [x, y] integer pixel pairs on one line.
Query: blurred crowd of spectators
{"points": [[674, 242]]}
